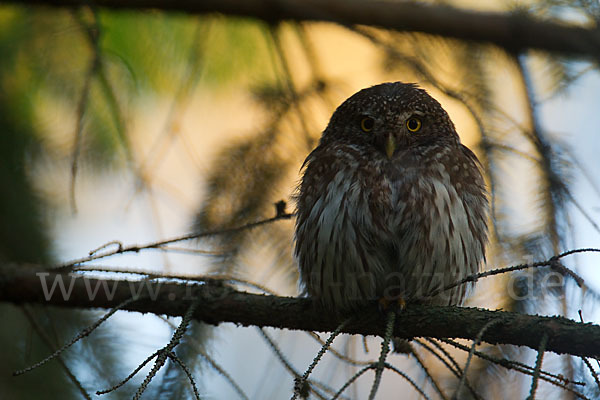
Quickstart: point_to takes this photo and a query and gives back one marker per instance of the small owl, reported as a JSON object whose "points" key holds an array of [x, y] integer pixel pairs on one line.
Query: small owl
{"points": [[391, 205]]}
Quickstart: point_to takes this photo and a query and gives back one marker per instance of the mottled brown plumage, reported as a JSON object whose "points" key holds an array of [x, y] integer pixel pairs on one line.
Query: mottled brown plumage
{"points": [[391, 204]]}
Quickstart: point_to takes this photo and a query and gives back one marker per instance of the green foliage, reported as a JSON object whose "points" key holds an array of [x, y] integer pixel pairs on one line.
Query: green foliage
{"points": [[157, 48], [23, 236]]}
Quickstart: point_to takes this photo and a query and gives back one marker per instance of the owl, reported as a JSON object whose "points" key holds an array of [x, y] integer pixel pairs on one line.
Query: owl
{"points": [[391, 205]]}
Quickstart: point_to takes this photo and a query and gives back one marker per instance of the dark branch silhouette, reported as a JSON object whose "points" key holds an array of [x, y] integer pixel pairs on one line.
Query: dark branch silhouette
{"points": [[220, 303], [516, 32]]}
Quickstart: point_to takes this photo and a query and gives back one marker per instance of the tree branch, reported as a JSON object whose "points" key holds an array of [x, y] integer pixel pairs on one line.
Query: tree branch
{"points": [[515, 32], [220, 303]]}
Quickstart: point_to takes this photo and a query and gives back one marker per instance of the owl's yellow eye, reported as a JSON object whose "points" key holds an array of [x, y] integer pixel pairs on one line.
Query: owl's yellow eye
{"points": [[413, 124], [367, 124]]}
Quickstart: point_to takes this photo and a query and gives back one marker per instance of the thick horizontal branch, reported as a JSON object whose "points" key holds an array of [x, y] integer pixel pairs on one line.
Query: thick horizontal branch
{"points": [[219, 303], [515, 32]]}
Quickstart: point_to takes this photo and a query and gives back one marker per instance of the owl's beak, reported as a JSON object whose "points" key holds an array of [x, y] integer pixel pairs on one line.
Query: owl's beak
{"points": [[390, 146]]}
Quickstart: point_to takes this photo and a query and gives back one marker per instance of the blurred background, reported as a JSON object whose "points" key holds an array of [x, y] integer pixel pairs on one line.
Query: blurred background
{"points": [[139, 126]]}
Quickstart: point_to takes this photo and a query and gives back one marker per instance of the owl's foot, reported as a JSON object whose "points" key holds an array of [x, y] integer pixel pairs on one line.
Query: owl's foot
{"points": [[386, 303], [397, 305]]}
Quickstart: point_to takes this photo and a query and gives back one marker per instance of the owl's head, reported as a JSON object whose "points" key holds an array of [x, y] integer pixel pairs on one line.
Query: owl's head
{"points": [[390, 117]]}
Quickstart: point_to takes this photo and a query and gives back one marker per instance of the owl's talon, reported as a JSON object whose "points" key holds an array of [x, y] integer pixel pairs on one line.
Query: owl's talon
{"points": [[401, 303], [385, 303]]}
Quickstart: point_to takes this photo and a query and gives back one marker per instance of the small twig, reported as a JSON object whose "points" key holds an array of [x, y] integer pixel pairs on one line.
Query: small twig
{"points": [[85, 332], [429, 376], [575, 251], [557, 266], [93, 36], [130, 376], [407, 378], [42, 334], [556, 380], [118, 243], [278, 352], [514, 365], [385, 349], [583, 212], [192, 75], [339, 355], [586, 361], [289, 83], [216, 278], [538, 367], [187, 250], [591, 369], [165, 351], [212, 362], [153, 245], [312, 58], [302, 380], [470, 357], [510, 149], [187, 372], [374, 366], [455, 368], [288, 366], [352, 379], [552, 261]]}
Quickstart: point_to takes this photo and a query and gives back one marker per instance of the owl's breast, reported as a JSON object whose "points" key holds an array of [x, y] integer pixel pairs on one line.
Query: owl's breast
{"points": [[340, 234], [440, 224], [365, 226]]}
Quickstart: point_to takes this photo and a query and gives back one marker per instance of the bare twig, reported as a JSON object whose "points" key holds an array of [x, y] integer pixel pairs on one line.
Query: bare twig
{"points": [[538, 367], [352, 379], [300, 382], [429, 376], [212, 362], [288, 366], [153, 245], [455, 368], [385, 349], [407, 378], [85, 332], [586, 361], [163, 353], [470, 357], [211, 278], [289, 83], [187, 372], [592, 371], [374, 366], [552, 262], [93, 33], [339, 355], [556, 380], [42, 334], [130, 376]]}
